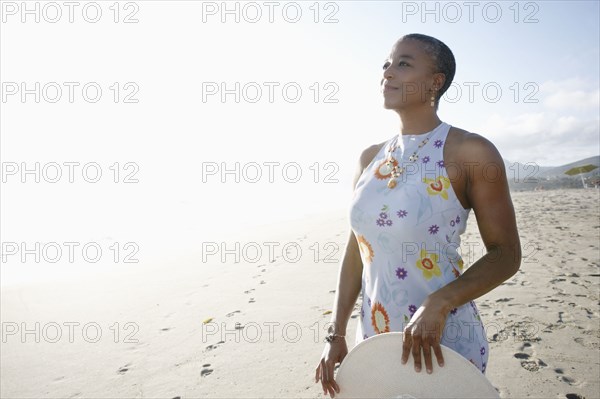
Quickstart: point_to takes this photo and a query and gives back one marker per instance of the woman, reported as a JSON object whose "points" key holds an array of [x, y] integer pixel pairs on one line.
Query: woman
{"points": [[412, 196]]}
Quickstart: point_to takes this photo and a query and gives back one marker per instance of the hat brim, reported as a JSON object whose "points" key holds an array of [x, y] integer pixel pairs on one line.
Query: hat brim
{"points": [[372, 369]]}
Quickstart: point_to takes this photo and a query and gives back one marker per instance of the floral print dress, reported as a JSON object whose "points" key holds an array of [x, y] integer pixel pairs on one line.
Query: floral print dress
{"points": [[409, 242]]}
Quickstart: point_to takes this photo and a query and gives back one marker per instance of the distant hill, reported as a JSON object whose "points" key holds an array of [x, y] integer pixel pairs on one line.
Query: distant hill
{"points": [[529, 176]]}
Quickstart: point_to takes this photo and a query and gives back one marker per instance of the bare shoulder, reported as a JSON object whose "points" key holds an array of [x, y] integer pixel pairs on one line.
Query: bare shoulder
{"points": [[466, 146], [365, 159], [369, 153]]}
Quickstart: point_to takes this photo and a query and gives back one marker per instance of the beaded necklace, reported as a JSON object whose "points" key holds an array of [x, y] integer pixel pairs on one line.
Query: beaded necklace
{"points": [[391, 163]]}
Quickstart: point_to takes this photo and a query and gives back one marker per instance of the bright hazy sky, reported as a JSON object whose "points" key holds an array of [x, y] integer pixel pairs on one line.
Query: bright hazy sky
{"points": [[543, 57]]}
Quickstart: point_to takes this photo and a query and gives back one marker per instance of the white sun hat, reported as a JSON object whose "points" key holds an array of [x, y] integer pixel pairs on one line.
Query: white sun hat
{"points": [[372, 369]]}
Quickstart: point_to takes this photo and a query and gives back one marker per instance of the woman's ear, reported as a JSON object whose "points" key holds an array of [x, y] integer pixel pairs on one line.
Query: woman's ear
{"points": [[439, 79]]}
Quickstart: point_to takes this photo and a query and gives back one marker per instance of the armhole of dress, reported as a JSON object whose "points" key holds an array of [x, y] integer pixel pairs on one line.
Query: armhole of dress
{"points": [[371, 162], [385, 144], [453, 194]]}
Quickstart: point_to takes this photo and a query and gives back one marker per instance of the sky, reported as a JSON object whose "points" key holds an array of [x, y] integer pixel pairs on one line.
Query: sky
{"points": [[217, 125]]}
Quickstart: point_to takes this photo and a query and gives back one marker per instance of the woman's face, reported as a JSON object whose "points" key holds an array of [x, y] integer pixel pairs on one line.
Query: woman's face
{"points": [[409, 73]]}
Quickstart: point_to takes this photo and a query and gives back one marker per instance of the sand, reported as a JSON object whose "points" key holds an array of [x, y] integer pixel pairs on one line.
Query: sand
{"points": [[203, 328]]}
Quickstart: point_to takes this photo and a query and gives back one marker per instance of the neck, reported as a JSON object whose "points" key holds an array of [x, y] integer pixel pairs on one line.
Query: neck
{"points": [[418, 121]]}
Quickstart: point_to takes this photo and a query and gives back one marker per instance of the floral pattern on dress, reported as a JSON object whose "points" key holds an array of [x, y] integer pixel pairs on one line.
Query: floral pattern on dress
{"points": [[380, 319], [384, 170], [408, 237], [438, 186], [365, 248], [428, 264], [384, 219], [401, 273]]}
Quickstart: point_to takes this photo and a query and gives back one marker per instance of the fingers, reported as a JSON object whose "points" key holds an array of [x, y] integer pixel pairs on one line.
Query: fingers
{"points": [[335, 386], [324, 377], [332, 386], [413, 343], [427, 356], [406, 345], [437, 349], [329, 374], [416, 352], [324, 372]]}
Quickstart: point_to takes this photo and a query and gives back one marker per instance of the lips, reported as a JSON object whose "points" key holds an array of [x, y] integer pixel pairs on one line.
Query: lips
{"points": [[388, 87]]}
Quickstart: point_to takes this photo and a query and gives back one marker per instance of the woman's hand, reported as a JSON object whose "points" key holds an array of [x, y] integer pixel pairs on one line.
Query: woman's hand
{"points": [[424, 331], [333, 353]]}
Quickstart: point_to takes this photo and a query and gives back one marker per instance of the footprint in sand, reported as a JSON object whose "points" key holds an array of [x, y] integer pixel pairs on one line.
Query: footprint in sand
{"points": [[251, 300], [124, 369], [528, 362], [504, 299], [574, 396], [249, 291], [205, 370], [559, 291], [532, 365], [588, 343], [214, 346], [568, 380], [537, 305], [232, 313]]}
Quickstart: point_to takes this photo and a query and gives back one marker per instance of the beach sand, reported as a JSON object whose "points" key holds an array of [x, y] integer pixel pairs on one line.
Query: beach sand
{"points": [[213, 328]]}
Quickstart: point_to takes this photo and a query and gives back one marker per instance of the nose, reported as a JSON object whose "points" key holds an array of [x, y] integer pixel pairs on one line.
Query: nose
{"points": [[386, 75]]}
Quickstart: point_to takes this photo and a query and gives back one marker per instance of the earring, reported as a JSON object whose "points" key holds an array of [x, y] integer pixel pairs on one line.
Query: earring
{"points": [[433, 98]]}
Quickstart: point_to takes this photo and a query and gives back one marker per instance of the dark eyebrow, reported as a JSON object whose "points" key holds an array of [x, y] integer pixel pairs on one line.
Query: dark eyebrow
{"points": [[410, 57]]}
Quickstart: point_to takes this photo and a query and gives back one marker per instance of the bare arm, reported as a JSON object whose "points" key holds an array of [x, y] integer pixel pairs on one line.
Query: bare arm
{"points": [[489, 196], [348, 287], [350, 274], [487, 192]]}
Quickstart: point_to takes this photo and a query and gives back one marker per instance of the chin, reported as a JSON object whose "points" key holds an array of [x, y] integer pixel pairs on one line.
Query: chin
{"points": [[391, 104]]}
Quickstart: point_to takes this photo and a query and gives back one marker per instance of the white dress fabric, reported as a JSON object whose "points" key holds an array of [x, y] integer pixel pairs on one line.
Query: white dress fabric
{"points": [[409, 241]]}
